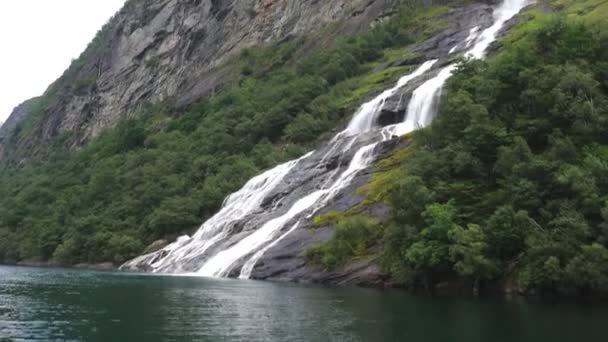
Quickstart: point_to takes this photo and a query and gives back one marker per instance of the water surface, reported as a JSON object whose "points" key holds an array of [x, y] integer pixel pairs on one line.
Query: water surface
{"points": [[55, 304]]}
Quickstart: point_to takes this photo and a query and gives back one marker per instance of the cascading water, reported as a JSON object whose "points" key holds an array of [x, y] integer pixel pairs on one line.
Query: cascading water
{"points": [[238, 206], [213, 252], [424, 99], [235, 207], [221, 263], [366, 116]]}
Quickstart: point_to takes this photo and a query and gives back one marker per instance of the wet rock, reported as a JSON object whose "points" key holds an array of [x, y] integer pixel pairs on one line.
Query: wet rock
{"points": [[156, 245], [449, 38], [285, 259], [460, 22], [519, 19], [401, 61]]}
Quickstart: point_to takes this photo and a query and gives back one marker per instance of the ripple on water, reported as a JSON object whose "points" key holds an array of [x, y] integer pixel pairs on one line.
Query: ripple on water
{"points": [[68, 305]]}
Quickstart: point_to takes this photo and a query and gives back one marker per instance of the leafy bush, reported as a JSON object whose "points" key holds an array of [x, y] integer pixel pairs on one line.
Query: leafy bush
{"points": [[352, 238]]}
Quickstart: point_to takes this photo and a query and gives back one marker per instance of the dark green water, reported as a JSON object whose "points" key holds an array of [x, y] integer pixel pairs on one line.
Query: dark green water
{"points": [[41, 304]]}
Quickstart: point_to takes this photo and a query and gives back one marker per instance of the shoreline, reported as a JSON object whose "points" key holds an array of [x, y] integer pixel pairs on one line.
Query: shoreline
{"points": [[102, 266], [443, 290]]}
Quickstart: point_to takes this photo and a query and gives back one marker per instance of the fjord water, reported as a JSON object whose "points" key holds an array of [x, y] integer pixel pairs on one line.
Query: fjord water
{"points": [[68, 305]]}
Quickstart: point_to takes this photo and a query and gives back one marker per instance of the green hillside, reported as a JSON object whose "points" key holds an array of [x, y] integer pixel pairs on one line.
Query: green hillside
{"points": [[162, 172], [507, 188]]}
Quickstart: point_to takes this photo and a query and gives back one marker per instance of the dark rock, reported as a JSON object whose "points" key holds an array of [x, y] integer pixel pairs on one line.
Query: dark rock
{"points": [[14, 120], [155, 246], [460, 22], [415, 60]]}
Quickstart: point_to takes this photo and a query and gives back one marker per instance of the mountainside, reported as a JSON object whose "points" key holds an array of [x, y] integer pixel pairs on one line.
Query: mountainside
{"points": [[17, 116], [163, 168], [177, 104], [155, 50]]}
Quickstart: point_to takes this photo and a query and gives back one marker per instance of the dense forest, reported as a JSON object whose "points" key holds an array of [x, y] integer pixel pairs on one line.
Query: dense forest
{"points": [[161, 172], [508, 185]]}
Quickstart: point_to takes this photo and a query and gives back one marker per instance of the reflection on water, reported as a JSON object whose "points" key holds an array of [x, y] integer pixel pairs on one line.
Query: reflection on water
{"points": [[39, 304]]}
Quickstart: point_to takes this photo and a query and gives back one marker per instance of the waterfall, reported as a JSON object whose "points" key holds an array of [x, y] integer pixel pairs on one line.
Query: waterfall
{"points": [[220, 265], [365, 117], [235, 207], [248, 200], [234, 238], [423, 103]]}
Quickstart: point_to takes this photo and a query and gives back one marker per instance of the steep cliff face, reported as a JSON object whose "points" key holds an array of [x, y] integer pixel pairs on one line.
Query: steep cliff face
{"points": [[153, 50]]}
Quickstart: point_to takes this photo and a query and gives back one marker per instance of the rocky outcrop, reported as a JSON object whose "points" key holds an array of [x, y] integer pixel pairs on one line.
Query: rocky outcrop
{"points": [[287, 261], [17, 116], [154, 50], [458, 23]]}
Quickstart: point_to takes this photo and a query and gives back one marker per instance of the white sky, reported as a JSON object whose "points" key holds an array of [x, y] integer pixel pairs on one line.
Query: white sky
{"points": [[39, 39]]}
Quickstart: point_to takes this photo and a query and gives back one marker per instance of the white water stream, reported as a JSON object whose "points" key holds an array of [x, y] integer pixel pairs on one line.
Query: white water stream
{"points": [[248, 250]]}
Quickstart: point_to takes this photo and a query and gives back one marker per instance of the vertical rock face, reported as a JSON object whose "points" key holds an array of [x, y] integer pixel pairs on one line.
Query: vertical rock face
{"points": [[155, 49]]}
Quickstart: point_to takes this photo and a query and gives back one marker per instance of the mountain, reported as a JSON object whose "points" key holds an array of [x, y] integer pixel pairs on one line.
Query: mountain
{"points": [[432, 144], [17, 116], [152, 51]]}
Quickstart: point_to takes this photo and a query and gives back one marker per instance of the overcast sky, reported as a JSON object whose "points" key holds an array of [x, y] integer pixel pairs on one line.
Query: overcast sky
{"points": [[38, 40]]}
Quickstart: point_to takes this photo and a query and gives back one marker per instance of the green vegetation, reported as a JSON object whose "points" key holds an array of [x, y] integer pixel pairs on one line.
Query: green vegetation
{"points": [[508, 185], [352, 238], [509, 181], [591, 11], [159, 174], [78, 79]]}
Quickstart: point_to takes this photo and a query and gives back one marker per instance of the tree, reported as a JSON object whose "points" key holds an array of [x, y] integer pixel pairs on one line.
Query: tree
{"points": [[469, 254], [410, 200], [588, 270], [505, 232], [430, 254], [542, 273]]}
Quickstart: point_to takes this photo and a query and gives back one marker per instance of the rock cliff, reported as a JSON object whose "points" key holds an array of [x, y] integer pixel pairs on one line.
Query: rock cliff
{"points": [[154, 50], [181, 51], [17, 116], [286, 260]]}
